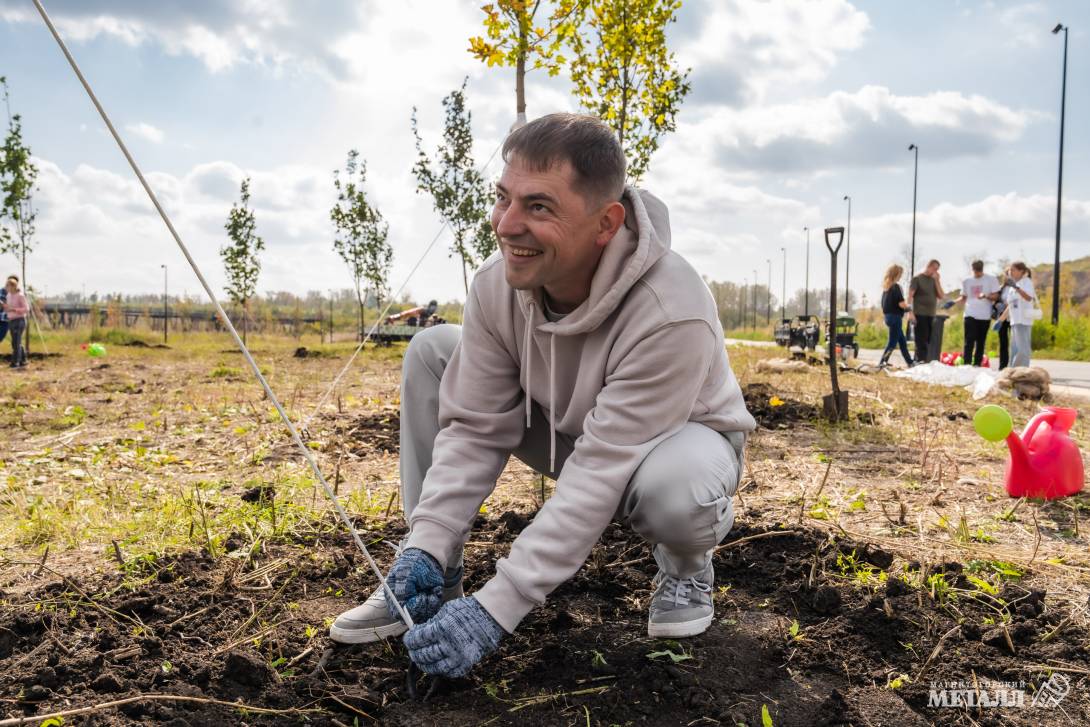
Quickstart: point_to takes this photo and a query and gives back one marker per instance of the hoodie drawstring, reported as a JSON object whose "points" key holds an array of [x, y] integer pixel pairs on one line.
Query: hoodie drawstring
{"points": [[526, 355], [526, 362], [552, 404]]}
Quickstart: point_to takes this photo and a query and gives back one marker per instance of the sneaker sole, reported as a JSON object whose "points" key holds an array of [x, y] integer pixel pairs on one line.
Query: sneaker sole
{"points": [[678, 630], [365, 636]]}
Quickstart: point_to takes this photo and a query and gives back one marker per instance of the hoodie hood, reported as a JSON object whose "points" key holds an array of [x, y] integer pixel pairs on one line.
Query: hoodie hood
{"points": [[638, 245]]}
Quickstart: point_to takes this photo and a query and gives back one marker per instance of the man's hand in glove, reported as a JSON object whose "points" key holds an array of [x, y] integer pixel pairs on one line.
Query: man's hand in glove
{"points": [[417, 582], [455, 639]]}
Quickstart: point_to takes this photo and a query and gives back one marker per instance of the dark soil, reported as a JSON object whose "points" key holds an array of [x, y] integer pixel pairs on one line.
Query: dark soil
{"points": [[190, 629], [365, 434], [759, 403]]}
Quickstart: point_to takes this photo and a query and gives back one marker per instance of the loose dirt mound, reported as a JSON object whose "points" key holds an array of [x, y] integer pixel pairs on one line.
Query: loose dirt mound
{"points": [[761, 400], [366, 434], [793, 632]]}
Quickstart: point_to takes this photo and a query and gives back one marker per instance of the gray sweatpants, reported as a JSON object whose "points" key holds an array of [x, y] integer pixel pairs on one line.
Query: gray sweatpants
{"points": [[679, 499]]}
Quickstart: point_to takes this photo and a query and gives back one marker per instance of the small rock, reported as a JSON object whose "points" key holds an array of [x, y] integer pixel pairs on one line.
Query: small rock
{"points": [[36, 693]]}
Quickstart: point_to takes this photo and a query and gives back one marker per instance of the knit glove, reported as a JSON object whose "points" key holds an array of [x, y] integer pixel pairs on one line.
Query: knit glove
{"points": [[417, 582], [455, 639]]}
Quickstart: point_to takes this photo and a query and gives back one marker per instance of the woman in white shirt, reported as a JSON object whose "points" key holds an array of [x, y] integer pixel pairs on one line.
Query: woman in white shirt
{"points": [[1021, 299]]}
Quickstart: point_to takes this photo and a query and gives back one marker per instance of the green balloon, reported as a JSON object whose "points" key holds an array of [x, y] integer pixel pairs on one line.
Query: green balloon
{"points": [[993, 422], [96, 350]]}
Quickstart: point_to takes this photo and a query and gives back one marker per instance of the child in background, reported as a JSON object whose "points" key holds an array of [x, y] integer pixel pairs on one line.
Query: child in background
{"points": [[16, 308]]}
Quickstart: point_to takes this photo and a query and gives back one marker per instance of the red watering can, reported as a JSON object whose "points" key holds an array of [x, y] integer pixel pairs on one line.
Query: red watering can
{"points": [[1044, 461]]}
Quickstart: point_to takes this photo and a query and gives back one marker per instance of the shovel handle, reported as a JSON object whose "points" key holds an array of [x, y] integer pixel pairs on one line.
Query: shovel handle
{"points": [[829, 232]]}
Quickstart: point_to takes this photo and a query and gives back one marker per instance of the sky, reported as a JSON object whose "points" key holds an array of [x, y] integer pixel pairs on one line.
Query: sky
{"points": [[794, 105]]}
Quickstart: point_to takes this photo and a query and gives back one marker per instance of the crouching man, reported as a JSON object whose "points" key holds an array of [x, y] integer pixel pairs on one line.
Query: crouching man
{"points": [[594, 354]]}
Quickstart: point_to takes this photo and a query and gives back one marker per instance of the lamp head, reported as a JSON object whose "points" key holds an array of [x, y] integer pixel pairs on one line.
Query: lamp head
{"points": [[911, 147], [847, 197], [1058, 28]]}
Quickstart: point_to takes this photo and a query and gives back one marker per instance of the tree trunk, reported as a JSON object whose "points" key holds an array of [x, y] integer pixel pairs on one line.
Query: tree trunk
{"points": [[244, 316], [624, 82], [520, 77], [26, 290], [359, 301], [465, 276]]}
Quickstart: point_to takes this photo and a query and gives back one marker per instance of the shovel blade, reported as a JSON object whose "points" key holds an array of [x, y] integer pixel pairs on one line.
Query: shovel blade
{"points": [[835, 406]]}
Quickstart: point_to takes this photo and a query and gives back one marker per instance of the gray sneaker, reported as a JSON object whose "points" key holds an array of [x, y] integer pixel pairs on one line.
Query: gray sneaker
{"points": [[681, 606], [370, 621]]}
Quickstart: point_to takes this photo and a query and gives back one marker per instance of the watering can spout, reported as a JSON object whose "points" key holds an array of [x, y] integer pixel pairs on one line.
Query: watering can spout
{"points": [[1019, 453]]}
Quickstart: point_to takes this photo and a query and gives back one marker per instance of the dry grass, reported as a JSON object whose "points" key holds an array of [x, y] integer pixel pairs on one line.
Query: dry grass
{"points": [[910, 474], [151, 449]]}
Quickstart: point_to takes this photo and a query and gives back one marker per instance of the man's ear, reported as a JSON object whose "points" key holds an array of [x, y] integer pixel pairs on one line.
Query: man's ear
{"points": [[609, 221]]}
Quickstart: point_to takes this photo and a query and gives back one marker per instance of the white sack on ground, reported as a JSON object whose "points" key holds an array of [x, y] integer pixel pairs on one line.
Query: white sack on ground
{"points": [[979, 381]]}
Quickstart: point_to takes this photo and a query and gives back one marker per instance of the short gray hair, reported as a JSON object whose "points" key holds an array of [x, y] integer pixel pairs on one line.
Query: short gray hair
{"points": [[586, 142]]}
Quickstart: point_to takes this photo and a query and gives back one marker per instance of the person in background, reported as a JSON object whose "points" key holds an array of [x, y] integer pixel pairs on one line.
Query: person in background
{"points": [[16, 308], [1021, 299], [978, 292], [3, 313], [893, 308], [924, 293], [1002, 325]]}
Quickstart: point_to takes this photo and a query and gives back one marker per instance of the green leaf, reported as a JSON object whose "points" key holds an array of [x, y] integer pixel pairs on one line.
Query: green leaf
{"points": [[766, 718], [673, 657]]}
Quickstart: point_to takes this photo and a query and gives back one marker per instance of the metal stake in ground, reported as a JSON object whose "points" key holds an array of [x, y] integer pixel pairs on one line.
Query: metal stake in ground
{"points": [[835, 404], [226, 321]]}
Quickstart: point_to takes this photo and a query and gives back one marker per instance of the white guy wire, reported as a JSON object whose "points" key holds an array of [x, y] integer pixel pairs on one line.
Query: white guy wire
{"points": [[382, 315], [227, 321]]}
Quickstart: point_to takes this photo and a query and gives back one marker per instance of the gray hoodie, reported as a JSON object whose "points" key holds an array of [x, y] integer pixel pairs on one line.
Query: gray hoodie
{"points": [[643, 355]]}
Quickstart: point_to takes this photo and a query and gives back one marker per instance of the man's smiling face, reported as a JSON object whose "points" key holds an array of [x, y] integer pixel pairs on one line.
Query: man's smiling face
{"points": [[550, 234]]}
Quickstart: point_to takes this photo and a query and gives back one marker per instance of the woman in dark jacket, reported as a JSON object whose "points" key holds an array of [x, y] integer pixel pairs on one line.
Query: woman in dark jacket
{"points": [[893, 308]]}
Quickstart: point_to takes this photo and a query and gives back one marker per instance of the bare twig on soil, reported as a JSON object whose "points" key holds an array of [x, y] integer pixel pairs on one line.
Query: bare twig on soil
{"points": [[935, 652], [322, 661], [758, 536], [39, 718], [824, 479], [177, 621], [525, 702]]}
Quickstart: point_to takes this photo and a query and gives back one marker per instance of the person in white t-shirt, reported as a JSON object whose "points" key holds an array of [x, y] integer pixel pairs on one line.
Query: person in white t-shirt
{"points": [[1022, 310], [978, 293]]}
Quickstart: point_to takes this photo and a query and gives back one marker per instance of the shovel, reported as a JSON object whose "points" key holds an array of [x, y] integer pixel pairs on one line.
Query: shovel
{"points": [[835, 405]]}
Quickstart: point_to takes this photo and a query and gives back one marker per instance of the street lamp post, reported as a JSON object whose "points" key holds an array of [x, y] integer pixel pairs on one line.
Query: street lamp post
{"points": [[848, 258], [783, 293], [915, 176], [1059, 189], [806, 305], [745, 298], [331, 315], [166, 320], [755, 300], [768, 294]]}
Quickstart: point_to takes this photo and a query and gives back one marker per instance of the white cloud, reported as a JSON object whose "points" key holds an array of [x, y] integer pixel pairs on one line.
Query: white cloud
{"points": [[867, 128], [146, 131], [745, 48], [1025, 25], [277, 33]]}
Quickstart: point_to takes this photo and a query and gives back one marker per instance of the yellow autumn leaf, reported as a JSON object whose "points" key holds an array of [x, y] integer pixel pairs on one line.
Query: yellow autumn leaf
{"points": [[776, 401]]}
